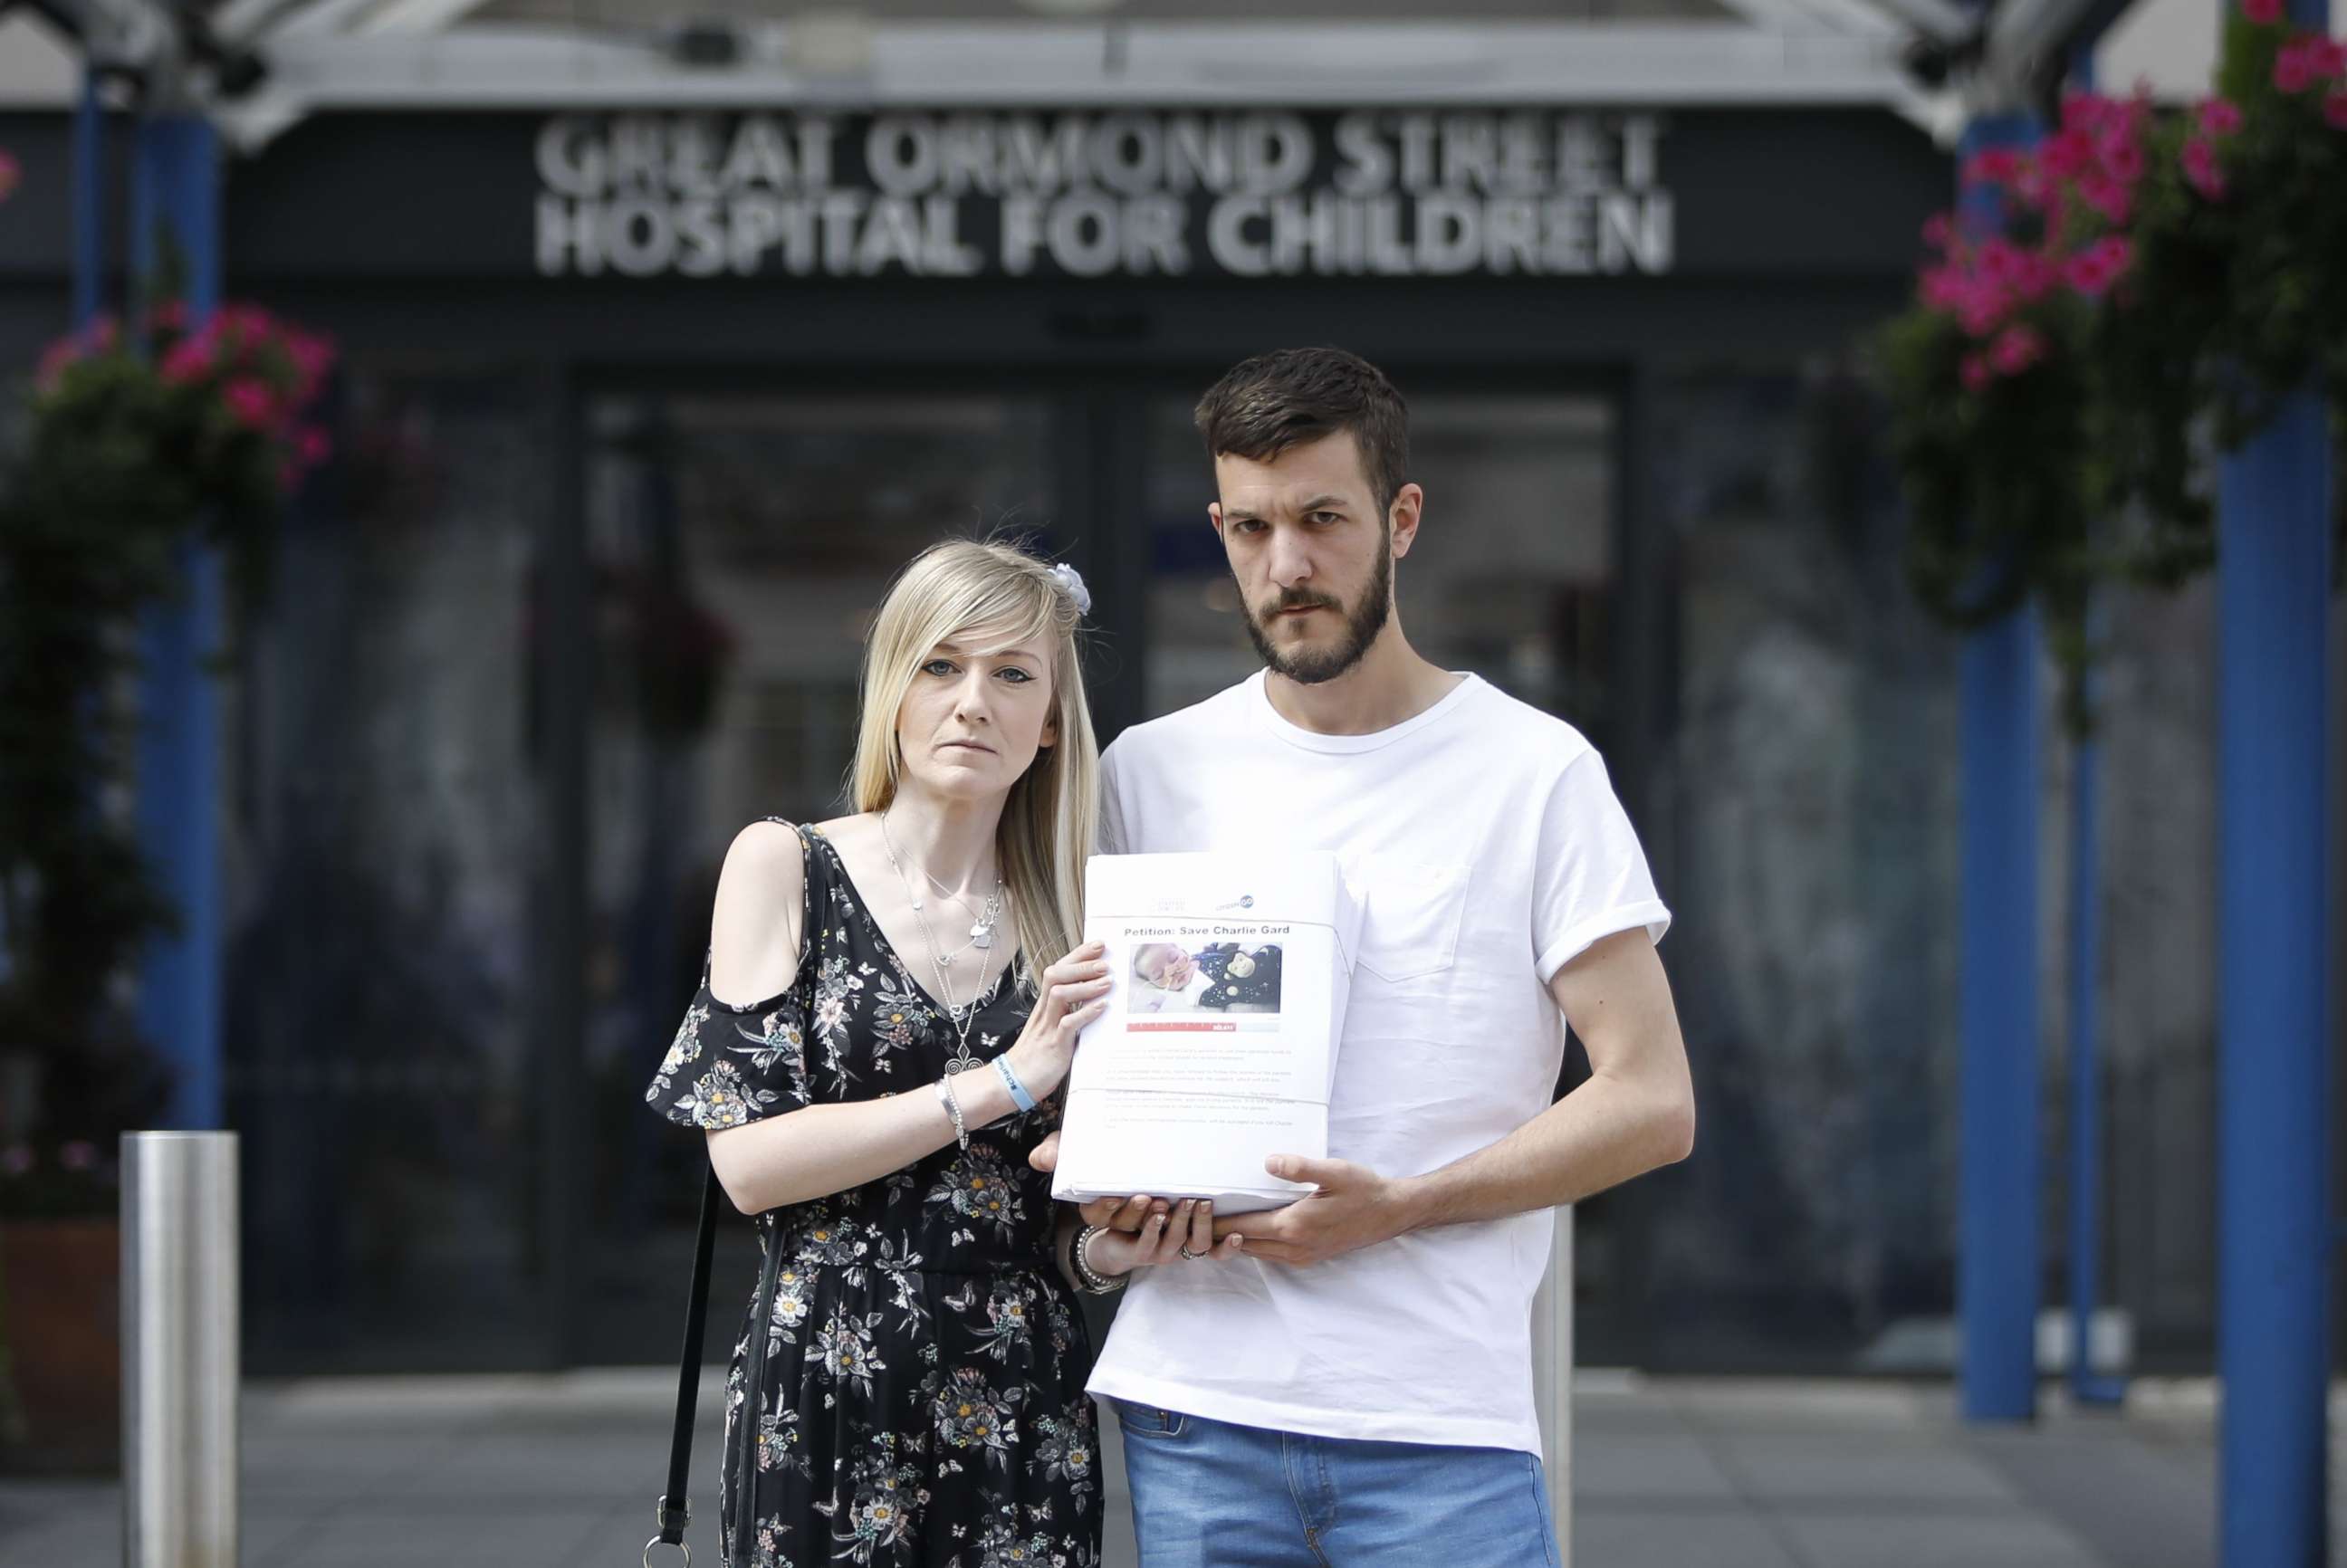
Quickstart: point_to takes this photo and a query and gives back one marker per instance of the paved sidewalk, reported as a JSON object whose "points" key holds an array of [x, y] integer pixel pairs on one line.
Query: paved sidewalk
{"points": [[560, 1471]]}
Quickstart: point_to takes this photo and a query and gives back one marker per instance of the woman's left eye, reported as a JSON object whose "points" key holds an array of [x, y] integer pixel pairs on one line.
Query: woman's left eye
{"points": [[1016, 676]]}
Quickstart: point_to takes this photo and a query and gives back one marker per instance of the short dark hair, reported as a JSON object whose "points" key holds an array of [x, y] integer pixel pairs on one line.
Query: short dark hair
{"points": [[1293, 396]]}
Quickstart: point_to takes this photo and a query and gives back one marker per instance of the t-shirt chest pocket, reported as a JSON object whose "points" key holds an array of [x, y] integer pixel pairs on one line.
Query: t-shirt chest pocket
{"points": [[1410, 916]]}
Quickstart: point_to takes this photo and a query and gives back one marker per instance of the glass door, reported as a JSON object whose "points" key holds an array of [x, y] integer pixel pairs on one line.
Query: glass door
{"points": [[738, 544], [1515, 575]]}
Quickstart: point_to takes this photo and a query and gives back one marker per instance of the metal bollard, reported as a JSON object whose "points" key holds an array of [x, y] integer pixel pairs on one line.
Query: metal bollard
{"points": [[180, 1366]]}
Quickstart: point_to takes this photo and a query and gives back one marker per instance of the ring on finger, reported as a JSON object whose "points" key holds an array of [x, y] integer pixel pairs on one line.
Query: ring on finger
{"points": [[1186, 1252]]}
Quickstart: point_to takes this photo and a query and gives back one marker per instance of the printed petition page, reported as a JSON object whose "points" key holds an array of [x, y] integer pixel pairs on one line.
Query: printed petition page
{"points": [[1229, 979]]}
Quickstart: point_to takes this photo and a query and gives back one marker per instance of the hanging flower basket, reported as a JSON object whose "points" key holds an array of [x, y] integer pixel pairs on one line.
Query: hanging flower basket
{"points": [[2268, 164], [2137, 284]]}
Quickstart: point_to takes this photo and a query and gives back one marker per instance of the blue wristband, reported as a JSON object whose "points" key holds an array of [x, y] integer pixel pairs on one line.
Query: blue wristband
{"points": [[1018, 1095]]}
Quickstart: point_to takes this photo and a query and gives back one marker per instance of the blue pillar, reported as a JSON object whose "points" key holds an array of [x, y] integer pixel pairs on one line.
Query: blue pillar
{"points": [[1997, 1244], [1997, 1260], [175, 187], [2273, 1154], [2272, 1077], [2085, 996], [2086, 1060]]}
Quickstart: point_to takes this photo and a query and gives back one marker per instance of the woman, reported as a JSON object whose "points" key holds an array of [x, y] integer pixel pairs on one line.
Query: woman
{"points": [[909, 1387]]}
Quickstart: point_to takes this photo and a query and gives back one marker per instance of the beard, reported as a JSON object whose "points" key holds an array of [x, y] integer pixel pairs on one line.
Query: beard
{"points": [[1311, 666]]}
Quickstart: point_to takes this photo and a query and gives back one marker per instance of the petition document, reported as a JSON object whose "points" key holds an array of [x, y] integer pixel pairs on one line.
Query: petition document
{"points": [[1229, 977]]}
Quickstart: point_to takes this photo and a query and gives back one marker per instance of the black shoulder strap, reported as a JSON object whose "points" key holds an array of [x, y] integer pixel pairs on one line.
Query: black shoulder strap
{"points": [[674, 1512]]}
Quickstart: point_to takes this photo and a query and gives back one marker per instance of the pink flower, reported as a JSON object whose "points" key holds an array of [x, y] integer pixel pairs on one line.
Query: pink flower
{"points": [[103, 333], [78, 1155], [2057, 222], [2334, 111], [2200, 171], [2086, 112], [1996, 166], [2065, 153], [2122, 160], [312, 357], [1938, 230], [2092, 272], [311, 447], [2017, 349], [1974, 372], [1983, 308], [2264, 13], [1945, 288], [2107, 196], [2221, 117], [250, 400], [2294, 66], [16, 1160], [2037, 275], [2329, 57], [189, 359]]}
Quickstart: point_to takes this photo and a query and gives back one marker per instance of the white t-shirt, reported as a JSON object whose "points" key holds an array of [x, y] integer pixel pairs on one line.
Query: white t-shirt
{"points": [[1488, 849]]}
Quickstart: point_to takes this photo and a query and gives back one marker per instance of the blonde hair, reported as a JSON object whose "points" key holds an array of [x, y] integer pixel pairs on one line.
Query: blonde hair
{"points": [[945, 593]]}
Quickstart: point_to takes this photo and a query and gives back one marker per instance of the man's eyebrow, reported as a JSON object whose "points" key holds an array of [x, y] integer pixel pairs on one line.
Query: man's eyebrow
{"points": [[1320, 503]]}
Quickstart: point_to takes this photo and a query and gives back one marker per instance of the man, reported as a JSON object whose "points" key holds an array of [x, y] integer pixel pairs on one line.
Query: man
{"points": [[1347, 1381]]}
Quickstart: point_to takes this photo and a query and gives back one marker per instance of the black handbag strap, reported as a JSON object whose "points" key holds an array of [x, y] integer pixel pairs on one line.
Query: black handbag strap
{"points": [[673, 1512]]}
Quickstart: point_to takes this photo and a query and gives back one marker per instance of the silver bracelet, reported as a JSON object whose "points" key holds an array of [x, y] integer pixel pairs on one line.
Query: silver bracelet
{"points": [[1087, 1280], [953, 1108]]}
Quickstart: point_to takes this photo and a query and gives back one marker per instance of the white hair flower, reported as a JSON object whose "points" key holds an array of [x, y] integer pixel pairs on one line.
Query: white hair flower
{"points": [[1073, 581]]}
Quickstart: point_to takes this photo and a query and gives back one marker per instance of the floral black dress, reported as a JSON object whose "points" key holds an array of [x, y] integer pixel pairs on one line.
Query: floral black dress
{"points": [[909, 1384]]}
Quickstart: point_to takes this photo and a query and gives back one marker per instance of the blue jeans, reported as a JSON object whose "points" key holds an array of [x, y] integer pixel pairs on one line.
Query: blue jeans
{"points": [[1206, 1494]]}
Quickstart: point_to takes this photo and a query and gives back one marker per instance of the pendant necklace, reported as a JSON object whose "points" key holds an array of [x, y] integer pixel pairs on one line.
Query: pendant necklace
{"points": [[982, 925], [981, 938]]}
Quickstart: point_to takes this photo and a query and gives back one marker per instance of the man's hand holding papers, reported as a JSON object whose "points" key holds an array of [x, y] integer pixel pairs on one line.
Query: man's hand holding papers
{"points": [[1351, 1207]]}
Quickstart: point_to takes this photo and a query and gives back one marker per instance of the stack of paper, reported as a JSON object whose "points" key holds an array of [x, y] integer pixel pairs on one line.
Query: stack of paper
{"points": [[1219, 1045]]}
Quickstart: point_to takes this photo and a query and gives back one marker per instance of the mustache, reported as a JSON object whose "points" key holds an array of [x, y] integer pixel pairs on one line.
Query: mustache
{"points": [[1301, 599]]}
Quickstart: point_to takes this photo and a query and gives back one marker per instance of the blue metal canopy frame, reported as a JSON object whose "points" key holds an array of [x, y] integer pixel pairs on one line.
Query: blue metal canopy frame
{"points": [[174, 200]]}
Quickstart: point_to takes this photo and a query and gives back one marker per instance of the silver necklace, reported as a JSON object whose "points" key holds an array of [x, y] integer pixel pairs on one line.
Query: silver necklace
{"points": [[982, 925], [957, 1018]]}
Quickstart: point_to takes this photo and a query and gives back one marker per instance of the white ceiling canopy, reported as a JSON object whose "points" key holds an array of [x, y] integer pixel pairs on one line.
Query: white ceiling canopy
{"points": [[1933, 61]]}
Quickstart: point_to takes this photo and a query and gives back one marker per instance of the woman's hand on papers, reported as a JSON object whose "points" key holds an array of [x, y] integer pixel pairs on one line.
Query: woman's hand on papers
{"points": [[1162, 1238], [1070, 995], [1355, 1208]]}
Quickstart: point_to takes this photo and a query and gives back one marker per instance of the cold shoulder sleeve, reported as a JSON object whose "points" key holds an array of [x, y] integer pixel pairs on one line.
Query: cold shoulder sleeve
{"points": [[729, 1065]]}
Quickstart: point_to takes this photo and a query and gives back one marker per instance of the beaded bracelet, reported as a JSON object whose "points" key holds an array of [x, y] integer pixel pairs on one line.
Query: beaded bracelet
{"points": [[1093, 1283]]}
